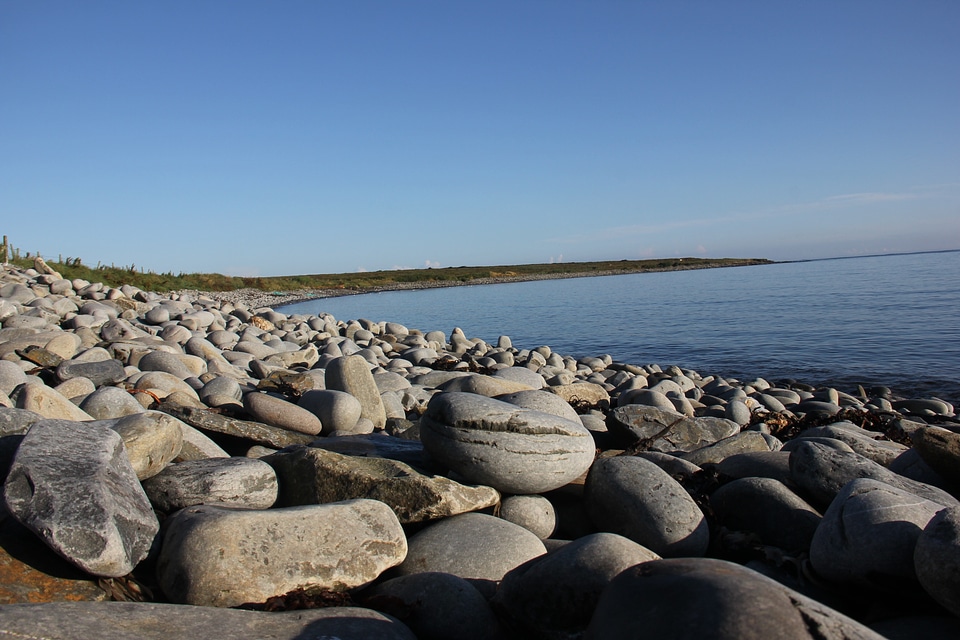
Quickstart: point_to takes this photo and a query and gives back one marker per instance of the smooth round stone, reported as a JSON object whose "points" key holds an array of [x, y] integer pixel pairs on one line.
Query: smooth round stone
{"points": [[758, 464], [738, 412], [473, 546], [533, 513], [522, 375], [280, 413], [767, 508], [637, 499], [646, 397], [498, 444], [49, 403], [65, 345], [436, 606], [75, 388], [151, 439], [860, 440], [707, 598], [166, 383], [158, 315], [937, 559], [163, 361], [11, 376], [337, 410], [868, 535], [352, 375], [483, 385], [554, 596], [109, 402], [542, 401], [221, 386], [743, 442]]}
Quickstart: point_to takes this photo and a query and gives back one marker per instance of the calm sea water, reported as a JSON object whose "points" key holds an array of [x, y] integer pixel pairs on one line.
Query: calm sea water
{"points": [[889, 320]]}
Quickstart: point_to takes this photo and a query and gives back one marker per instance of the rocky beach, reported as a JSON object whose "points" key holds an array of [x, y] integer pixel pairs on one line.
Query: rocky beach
{"points": [[202, 465]]}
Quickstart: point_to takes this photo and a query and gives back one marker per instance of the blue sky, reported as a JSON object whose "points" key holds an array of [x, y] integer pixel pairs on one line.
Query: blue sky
{"points": [[271, 138]]}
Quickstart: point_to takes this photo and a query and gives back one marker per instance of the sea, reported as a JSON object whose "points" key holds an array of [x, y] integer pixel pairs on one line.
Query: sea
{"points": [[888, 320]]}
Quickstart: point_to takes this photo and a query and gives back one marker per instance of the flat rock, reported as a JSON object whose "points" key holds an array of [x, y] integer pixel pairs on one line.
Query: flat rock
{"points": [[221, 557], [473, 546], [73, 486], [581, 393], [868, 535], [314, 476], [668, 431], [498, 444], [99, 372], [707, 598], [151, 621], [937, 559], [864, 442], [257, 432], [554, 596], [743, 442], [242, 482], [637, 499], [488, 386]]}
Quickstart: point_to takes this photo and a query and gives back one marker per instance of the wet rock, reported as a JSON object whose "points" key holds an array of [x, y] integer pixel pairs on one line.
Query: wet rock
{"points": [[706, 598], [637, 499], [73, 486], [220, 557], [242, 482], [512, 449], [315, 476]]}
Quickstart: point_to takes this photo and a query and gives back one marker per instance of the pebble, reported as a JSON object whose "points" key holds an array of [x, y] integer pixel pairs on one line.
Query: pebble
{"points": [[277, 412], [195, 357]]}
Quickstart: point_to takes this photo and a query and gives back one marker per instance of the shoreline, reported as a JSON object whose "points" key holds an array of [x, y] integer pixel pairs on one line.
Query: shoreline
{"points": [[255, 298]]}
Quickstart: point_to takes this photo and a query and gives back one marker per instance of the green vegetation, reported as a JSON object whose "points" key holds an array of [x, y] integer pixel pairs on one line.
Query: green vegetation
{"points": [[111, 275]]}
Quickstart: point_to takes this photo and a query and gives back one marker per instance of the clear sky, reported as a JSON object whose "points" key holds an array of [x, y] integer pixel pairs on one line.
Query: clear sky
{"points": [[272, 138]]}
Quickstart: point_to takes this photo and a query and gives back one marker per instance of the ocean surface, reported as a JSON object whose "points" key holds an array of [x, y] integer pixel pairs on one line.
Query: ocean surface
{"points": [[881, 320]]}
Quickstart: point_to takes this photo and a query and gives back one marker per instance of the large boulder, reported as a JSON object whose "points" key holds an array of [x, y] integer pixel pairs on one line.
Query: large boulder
{"points": [[512, 449]]}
